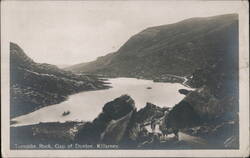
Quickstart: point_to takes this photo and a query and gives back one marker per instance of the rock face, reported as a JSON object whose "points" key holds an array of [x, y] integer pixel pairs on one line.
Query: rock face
{"points": [[137, 133], [115, 131], [206, 104], [112, 122], [120, 123], [202, 105], [203, 114], [148, 113], [119, 107], [178, 49], [181, 116], [34, 85]]}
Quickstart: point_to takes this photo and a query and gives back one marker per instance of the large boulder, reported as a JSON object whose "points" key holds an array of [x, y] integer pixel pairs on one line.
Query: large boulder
{"points": [[181, 116], [208, 106], [204, 102], [108, 120], [119, 107], [148, 113], [115, 130], [201, 106]]}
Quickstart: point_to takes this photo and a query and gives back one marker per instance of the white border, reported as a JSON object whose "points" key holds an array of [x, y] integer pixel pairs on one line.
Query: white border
{"points": [[244, 109]]}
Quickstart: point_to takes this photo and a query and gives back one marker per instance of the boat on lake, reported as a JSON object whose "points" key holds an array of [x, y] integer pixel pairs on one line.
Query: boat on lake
{"points": [[65, 113]]}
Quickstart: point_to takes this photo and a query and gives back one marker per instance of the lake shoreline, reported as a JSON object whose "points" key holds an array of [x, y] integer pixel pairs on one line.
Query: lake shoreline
{"points": [[167, 78], [131, 83]]}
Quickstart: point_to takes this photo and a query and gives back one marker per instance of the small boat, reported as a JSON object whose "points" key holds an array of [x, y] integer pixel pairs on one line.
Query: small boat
{"points": [[65, 113], [149, 87]]}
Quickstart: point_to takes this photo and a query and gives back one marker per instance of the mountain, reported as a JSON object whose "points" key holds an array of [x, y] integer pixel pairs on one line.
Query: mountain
{"points": [[177, 49], [34, 85]]}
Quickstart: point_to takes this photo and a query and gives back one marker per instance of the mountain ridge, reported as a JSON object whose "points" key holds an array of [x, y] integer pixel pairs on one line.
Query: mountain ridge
{"points": [[177, 49]]}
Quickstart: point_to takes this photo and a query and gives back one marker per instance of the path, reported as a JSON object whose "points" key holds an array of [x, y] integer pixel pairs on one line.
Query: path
{"points": [[192, 139]]}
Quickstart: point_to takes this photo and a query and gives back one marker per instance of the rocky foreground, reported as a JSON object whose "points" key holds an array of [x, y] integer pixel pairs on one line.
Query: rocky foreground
{"points": [[121, 126]]}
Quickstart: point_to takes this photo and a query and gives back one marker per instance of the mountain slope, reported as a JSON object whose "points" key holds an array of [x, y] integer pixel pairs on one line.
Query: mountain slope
{"points": [[178, 49], [34, 85]]}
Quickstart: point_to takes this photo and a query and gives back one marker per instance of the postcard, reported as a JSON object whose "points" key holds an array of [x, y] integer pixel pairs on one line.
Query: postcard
{"points": [[134, 78]]}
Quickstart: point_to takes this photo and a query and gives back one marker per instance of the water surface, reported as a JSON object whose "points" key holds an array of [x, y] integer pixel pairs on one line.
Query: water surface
{"points": [[86, 106]]}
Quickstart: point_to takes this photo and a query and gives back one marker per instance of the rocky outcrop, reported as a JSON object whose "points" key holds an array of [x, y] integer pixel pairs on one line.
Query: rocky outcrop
{"points": [[181, 116], [113, 121], [204, 115], [201, 105], [137, 134], [208, 105], [119, 107], [115, 130], [149, 112]]}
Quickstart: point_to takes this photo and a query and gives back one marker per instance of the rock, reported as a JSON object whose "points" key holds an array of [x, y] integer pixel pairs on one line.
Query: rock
{"points": [[209, 106], [108, 120], [183, 91], [200, 106], [133, 132], [203, 102], [137, 133], [181, 116], [119, 107], [116, 129], [149, 112], [88, 134]]}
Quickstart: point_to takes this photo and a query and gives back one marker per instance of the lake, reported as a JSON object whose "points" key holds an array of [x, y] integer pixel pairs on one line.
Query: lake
{"points": [[86, 106]]}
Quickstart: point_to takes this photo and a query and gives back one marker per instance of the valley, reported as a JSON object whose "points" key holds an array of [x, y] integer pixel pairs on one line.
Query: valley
{"points": [[199, 56]]}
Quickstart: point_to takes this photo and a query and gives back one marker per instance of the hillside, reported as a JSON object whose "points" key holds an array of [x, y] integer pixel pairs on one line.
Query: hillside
{"points": [[177, 49], [34, 85]]}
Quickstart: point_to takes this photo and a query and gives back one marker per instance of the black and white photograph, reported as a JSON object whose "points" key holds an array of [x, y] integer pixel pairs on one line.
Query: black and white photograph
{"points": [[96, 78]]}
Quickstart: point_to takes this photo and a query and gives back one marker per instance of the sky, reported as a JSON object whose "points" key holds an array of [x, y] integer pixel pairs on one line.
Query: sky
{"points": [[71, 32]]}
